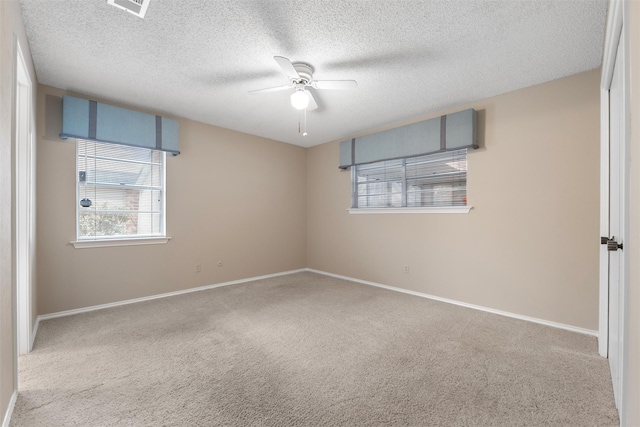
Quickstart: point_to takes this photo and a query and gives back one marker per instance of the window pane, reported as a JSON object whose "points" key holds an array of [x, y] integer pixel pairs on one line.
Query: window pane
{"points": [[121, 199], [115, 151], [95, 223], [433, 180], [381, 171], [380, 194], [119, 165], [120, 191], [442, 194], [102, 171]]}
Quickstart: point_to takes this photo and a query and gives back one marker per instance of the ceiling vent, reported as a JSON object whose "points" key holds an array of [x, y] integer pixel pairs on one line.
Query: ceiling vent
{"points": [[136, 7]]}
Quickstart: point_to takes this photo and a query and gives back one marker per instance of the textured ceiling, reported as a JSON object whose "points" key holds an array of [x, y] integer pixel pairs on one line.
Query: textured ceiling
{"points": [[199, 59]]}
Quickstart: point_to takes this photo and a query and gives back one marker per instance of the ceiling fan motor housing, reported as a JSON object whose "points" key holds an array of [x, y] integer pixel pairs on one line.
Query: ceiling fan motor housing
{"points": [[305, 71]]}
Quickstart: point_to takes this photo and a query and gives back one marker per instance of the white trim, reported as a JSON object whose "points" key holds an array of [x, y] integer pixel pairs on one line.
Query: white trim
{"points": [[24, 198], [616, 37], [612, 39], [12, 404], [434, 210], [464, 304], [83, 244], [168, 294], [623, 359], [164, 194], [603, 310]]}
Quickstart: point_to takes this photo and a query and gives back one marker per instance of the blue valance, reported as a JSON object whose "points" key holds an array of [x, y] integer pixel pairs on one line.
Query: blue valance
{"points": [[95, 121], [450, 132]]}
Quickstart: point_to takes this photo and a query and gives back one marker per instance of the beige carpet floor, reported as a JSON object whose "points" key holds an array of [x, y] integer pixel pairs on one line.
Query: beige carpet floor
{"points": [[308, 350]]}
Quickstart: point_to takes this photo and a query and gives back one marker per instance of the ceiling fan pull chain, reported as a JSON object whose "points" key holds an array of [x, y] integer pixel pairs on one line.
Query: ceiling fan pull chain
{"points": [[304, 129]]}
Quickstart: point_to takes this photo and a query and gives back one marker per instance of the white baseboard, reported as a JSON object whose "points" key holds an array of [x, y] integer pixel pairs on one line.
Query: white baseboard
{"points": [[338, 276], [34, 332], [7, 415], [463, 304], [165, 295]]}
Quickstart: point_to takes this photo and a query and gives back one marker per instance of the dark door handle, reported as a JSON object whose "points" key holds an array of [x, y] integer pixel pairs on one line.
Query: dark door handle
{"points": [[612, 245], [604, 240]]}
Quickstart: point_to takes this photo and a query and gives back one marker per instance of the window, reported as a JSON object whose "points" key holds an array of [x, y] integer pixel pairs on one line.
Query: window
{"points": [[433, 180], [120, 192]]}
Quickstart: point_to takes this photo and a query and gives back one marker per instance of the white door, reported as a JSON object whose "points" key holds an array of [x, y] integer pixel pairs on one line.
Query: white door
{"points": [[616, 221]]}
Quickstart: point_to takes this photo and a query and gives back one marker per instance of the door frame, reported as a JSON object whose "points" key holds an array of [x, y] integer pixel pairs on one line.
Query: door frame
{"points": [[24, 200], [616, 34]]}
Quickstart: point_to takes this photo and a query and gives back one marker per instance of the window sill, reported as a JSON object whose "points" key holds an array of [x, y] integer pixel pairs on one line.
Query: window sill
{"points": [[82, 244], [437, 210]]}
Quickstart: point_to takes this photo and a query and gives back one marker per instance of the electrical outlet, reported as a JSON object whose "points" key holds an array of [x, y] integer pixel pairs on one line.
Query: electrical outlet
{"points": [[406, 269], [198, 268]]}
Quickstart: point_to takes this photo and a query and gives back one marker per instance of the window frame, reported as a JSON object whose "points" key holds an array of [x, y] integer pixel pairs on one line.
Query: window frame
{"points": [[355, 209], [121, 240]]}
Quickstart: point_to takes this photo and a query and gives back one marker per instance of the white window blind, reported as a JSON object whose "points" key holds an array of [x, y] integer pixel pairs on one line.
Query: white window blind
{"points": [[120, 191], [433, 180]]}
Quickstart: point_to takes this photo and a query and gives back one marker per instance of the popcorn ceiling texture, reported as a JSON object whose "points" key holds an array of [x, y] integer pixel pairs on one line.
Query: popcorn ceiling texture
{"points": [[199, 59]]}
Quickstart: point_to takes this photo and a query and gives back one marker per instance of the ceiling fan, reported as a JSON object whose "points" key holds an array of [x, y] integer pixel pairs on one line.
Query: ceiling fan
{"points": [[301, 77]]}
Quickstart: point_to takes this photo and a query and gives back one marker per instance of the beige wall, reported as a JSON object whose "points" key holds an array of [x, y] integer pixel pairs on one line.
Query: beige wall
{"points": [[631, 410], [231, 197], [529, 246], [524, 248], [11, 26]]}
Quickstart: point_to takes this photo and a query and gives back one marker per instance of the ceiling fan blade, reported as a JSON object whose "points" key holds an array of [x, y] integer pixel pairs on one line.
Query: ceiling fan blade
{"points": [[312, 102], [287, 67], [272, 89], [334, 84]]}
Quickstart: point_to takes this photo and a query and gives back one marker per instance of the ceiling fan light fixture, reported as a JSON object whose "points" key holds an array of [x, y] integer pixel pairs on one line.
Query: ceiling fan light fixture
{"points": [[299, 99]]}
